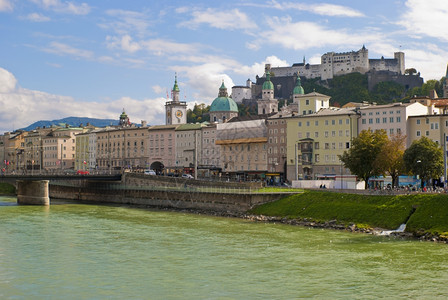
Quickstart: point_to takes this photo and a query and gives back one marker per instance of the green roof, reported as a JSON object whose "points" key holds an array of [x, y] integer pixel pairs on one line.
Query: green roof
{"points": [[224, 104]]}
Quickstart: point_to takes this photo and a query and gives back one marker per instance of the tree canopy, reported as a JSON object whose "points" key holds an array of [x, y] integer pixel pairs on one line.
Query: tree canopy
{"points": [[424, 158], [390, 158], [360, 158]]}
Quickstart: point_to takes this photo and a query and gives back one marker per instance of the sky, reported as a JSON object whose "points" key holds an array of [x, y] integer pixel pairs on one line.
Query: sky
{"points": [[95, 58]]}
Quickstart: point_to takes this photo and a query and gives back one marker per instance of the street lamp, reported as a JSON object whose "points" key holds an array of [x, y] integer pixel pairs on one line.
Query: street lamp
{"points": [[421, 179]]}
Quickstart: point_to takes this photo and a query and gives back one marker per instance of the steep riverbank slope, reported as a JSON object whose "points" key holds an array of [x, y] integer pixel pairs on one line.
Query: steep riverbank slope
{"points": [[425, 215]]}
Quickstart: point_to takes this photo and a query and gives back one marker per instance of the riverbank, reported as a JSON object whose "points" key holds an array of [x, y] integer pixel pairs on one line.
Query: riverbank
{"points": [[425, 215], [7, 189]]}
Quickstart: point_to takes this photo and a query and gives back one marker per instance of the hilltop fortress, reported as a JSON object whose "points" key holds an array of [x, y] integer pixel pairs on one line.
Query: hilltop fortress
{"points": [[332, 64], [336, 64]]}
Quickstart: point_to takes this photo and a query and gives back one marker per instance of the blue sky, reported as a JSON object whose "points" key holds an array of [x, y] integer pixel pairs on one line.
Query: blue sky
{"points": [[93, 58]]}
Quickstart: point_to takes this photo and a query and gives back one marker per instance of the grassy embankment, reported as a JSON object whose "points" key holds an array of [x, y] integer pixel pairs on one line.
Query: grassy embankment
{"points": [[7, 189], [427, 213]]}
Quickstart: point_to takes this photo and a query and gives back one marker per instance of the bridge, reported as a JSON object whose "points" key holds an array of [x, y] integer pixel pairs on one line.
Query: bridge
{"points": [[33, 189]]}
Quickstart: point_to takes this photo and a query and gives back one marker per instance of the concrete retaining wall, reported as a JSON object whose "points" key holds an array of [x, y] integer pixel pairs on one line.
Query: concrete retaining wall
{"points": [[227, 202]]}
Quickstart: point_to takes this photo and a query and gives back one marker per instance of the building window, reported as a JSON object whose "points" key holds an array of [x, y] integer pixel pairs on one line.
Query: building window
{"points": [[427, 133], [418, 122], [384, 120], [377, 120], [398, 119], [391, 119], [363, 121], [370, 121]]}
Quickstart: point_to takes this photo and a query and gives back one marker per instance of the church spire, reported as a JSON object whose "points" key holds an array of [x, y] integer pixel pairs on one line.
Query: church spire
{"points": [[175, 91], [223, 90]]}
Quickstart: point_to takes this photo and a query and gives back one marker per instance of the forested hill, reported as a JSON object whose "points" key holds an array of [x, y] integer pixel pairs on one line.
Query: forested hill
{"points": [[354, 88]]}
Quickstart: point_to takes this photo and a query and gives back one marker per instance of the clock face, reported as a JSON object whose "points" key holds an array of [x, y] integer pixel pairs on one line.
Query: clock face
{"points": [[179, 114]]}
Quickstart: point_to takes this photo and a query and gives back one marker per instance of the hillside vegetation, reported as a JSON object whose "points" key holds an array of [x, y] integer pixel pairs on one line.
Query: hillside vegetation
{"points": [[427, 213]]}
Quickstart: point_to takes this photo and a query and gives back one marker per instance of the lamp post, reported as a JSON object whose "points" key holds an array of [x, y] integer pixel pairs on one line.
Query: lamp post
{"points": [[421, 179]]}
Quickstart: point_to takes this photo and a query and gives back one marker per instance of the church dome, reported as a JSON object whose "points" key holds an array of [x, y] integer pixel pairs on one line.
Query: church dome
{"points": [[223, 102], [267, 84], [298, 89]]}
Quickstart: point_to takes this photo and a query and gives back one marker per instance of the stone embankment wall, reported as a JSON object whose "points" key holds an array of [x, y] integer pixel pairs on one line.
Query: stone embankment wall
{"points": [[142, 180], [173, 193]]}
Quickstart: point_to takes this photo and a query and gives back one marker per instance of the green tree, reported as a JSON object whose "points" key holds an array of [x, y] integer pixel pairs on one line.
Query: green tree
{"points": [[387, 91], [424, 158], [360, 158], [410, 71], [199, 113], [351, 87], [390, 158]]}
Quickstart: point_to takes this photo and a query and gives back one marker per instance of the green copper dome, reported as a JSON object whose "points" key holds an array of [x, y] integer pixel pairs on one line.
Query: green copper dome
{"points": [[298, 89], [267, 84], [223, 102], [175, 87]]}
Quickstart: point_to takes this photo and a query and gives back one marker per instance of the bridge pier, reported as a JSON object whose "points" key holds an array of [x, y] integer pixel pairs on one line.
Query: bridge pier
{"points": [[33, 192]]}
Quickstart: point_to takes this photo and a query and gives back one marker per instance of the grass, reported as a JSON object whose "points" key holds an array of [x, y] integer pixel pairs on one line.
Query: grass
{"points": [[429, 212], [7, 189]]}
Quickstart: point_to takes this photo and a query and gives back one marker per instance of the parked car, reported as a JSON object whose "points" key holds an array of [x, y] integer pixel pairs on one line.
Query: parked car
{"points": [[150, 172], [82, 172], [187, 176]]}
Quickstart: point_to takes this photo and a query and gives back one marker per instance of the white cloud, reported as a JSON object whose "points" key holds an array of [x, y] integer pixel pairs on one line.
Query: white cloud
{"points": [[205, 79], [233, 19], [36, 17], [428, 59], [28, 106], [304, 35], [428, 18], [324, 9], [158, 89], [8, 82], [157, 47], [6, 6], [127, 22], [64, 49], [258, 68], [64, 7]]}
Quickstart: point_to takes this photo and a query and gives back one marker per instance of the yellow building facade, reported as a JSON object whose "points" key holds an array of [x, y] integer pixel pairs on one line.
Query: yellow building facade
{"points": [[315, 141]]}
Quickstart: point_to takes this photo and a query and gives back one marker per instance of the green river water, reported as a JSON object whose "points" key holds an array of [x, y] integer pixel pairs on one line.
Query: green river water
{"points": [[78, 251]]}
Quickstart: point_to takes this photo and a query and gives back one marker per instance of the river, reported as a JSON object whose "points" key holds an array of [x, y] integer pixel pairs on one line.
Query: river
{"points": [[79, 251]]}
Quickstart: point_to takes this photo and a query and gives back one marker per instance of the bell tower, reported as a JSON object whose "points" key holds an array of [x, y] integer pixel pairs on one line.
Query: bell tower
{"points": [[175, 110]]}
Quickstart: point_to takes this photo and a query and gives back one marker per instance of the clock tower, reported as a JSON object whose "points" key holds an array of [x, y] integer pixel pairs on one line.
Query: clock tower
{"points": [[175, 110]]}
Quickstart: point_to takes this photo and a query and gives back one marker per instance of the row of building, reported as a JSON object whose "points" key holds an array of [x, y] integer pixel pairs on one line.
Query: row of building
{"points": [[302, 140]]}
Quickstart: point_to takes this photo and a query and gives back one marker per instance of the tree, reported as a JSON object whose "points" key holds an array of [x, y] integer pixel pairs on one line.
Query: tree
{"points": [[390, 158], [424, 158], [200, 113], [387, 91], [410, 71], [360, 158]]}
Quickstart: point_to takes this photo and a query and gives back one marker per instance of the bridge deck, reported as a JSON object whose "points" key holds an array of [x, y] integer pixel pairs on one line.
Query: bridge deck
{"points": [[61, 177]]}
